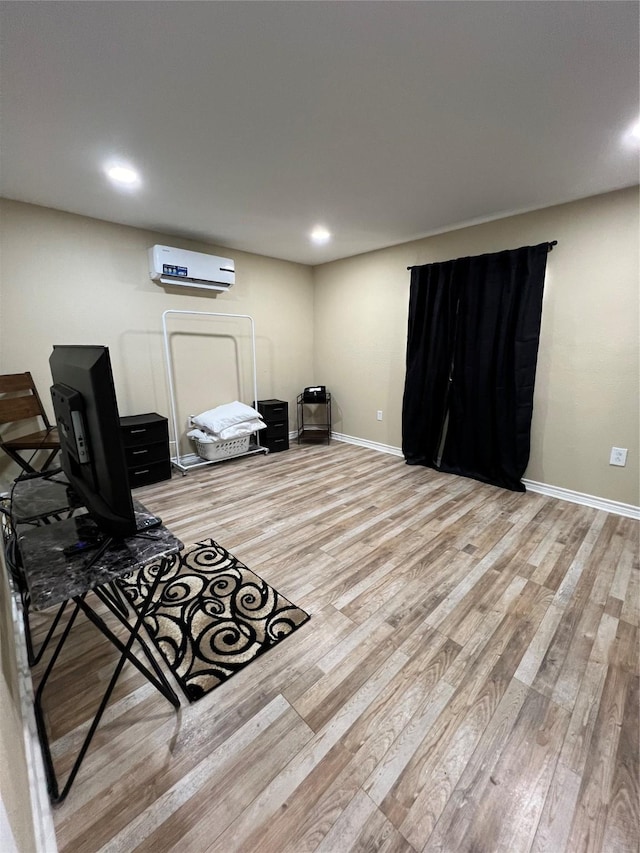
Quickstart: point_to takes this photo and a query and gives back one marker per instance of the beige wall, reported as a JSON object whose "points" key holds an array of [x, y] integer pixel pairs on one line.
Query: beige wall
{"points": [[587, 383], [71, 279]]}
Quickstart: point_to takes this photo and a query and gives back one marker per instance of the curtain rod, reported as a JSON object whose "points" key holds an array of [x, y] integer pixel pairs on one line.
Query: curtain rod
{"points": [[550, 246]]}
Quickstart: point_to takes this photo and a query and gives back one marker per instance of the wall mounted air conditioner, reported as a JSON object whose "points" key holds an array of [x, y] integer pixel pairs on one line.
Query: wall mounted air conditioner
{"points": [[190, 269]]}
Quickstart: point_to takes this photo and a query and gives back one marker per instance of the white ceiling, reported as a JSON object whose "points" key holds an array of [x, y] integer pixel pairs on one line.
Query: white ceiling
{"points": [[251, 122]]}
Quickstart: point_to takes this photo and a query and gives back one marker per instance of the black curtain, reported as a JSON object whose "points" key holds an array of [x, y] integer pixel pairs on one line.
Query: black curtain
{"points": [[472, 346]]}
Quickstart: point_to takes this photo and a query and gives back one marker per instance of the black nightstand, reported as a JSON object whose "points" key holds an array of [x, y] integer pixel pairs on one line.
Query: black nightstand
{"points": [[275, 414], [146, 447]]}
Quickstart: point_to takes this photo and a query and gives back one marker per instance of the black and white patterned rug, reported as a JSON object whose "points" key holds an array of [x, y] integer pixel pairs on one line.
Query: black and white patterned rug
{"points": [[211, 615]]}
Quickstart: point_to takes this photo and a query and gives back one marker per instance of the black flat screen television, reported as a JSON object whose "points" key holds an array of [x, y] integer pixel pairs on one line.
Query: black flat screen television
{"points": [[91, 449]]}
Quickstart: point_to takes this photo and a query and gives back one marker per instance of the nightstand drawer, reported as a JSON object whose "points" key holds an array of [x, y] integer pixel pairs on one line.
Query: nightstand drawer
{"points": [[274, 445], [145, 454], [275, 429], [143, 429], [146, 474], [273, 410]]}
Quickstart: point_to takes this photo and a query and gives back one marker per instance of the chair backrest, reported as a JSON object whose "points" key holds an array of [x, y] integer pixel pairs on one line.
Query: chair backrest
{"points": [[23, 401]]}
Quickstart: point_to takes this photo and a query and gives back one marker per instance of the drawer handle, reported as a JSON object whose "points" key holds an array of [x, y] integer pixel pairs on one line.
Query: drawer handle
{"points": [[139, 473], [138, 452], [134, 431]]}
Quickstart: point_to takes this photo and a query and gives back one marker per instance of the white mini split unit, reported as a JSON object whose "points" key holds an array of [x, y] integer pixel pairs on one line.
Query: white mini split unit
{"points": [[190, 269]]}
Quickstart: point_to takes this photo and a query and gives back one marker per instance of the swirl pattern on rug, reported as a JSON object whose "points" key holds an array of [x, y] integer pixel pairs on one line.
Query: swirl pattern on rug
{"points": [[210, 615]]}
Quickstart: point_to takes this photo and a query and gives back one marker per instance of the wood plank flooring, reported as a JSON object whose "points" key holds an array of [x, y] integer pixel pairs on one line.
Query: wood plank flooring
{"points": [[468, 680]]}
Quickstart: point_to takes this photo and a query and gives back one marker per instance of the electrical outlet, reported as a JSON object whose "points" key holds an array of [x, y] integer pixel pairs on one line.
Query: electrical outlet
{"points": [[618, 456], [379, 414]]}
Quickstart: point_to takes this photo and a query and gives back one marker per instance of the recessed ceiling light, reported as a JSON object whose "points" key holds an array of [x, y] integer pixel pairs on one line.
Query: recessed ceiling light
{"points": [[123, 175], [320, 235]]}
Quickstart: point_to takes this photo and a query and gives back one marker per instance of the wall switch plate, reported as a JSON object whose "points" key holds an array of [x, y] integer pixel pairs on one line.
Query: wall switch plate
{"points": [[379, 414], [618, 456]]}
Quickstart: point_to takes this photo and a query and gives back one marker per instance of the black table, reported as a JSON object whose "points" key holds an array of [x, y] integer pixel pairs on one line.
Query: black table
{"points": [[46, 525]]}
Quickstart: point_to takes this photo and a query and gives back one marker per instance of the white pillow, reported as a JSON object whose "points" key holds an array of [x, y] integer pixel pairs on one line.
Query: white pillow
{"points": [[215, 420], [245, 428], [204, 437]]}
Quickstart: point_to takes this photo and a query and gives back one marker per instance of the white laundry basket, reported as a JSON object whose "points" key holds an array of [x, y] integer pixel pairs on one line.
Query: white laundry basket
{"points": [[213, 451]]}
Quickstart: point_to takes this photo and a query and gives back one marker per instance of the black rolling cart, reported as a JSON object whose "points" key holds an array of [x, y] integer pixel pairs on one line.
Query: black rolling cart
{"points": [[314, 416], [146, 447], [275, 414]]}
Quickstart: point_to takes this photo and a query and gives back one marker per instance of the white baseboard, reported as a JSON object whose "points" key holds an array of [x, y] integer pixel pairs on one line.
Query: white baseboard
{"points": [[605, 504], [615, 507], [363, 442]]}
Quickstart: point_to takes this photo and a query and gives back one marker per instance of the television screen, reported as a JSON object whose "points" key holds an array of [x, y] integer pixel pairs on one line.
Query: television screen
{"points": [[91, 448]]}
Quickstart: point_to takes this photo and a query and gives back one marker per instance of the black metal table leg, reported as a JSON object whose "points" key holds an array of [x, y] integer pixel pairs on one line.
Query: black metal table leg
{"points": [[117, 612], [57, 795], [34, 657], [52, 782], [161, 683], [110, 596]]}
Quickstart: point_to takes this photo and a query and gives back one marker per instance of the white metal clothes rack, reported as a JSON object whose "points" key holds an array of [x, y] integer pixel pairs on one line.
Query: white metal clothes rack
{"points": [[189, 461]]}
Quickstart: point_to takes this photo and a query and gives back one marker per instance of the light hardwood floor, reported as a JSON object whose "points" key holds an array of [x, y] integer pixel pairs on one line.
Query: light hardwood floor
{"points": [[468, 680]]}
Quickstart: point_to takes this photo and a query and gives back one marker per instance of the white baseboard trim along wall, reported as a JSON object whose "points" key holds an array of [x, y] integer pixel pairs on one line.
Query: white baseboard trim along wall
{"points": [[614, 507], [363, 442]]}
